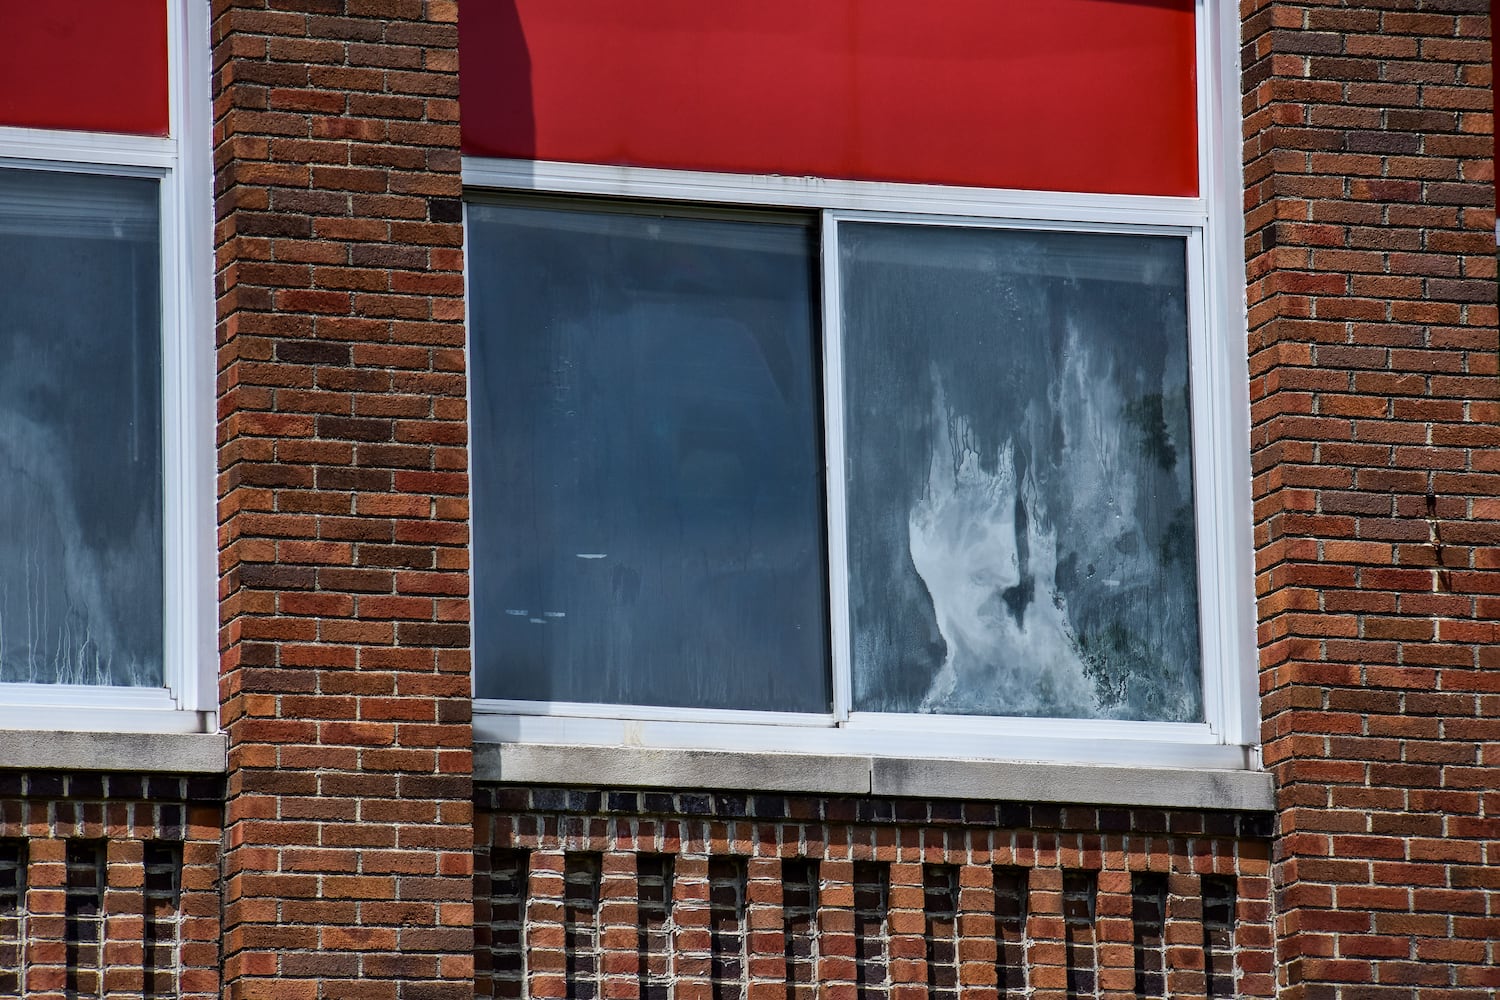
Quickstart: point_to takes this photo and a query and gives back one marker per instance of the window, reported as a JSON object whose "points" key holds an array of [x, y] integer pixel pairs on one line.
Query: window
{"points": [[80, 429], [1018, 472], [106, 422], [810, 464], [667, 483]]}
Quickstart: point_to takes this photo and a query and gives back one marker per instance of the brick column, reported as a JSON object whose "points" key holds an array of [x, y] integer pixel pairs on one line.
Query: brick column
{"points": [[1370, 202], [619, 920], [977, 945], [693, 939], [343, 501], [1114, 929], [765, 922], [1183, 936], [906, 946], [1046, 946], [836, 941]]}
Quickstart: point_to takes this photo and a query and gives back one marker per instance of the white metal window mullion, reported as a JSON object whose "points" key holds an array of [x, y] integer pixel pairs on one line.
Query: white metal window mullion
{"points": [[836, 477], [1220, 449], [188, 370], [1209, 513], [180, 596], [1227, 322], [1221, 435], [177, 596]]}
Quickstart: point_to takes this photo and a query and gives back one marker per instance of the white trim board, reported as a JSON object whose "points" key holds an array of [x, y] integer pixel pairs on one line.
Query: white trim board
{"points": [[1056, 740], [87, 150], [775, 190]]}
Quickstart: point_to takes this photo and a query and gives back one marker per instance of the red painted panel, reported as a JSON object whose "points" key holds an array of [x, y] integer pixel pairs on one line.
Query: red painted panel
{"points": [[1075, 95], [85, 64]]}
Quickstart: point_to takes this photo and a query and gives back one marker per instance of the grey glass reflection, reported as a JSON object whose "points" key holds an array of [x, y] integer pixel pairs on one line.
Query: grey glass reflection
{"points": [[80, 430], [1021, 528], [646, 474]]}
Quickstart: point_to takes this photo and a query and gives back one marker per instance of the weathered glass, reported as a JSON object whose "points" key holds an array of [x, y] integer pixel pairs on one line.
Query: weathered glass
{"points": [[647, 475], [1020, 500], [80, 429]]}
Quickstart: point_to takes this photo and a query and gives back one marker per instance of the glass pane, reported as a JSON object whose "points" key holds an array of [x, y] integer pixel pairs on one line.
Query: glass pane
{"points": [[1021, 533], [647, 475], [80, 429]]}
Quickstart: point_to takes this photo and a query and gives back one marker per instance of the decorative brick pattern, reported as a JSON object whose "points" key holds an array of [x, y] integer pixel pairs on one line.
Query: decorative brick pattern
{"points": [[940, 906], [500, 879], [654, 883], [729, 959], [1218, 935], [1148, 917], [1079, 894], [799, 909], [966, 900], [1010, 908], [83, 921], [343, 500], [12, 914], [872, 930], [161, 936], [1373, 361], [109, 886], [581, 877]]}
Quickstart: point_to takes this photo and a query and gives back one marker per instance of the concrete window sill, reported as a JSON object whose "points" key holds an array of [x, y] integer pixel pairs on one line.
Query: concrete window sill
{"points": [[1076, 784], [161, 753]]}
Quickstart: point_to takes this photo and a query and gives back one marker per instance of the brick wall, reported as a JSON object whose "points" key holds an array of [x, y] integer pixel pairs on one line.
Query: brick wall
{"points": [[1370, 206], [109, 885], [352, 860], [343, 500], [695, 895]]}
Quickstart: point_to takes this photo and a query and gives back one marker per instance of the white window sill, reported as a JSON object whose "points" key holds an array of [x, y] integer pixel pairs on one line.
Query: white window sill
{"points": [[98, 709], [164, 753], [838, 774], [1103, 742]]}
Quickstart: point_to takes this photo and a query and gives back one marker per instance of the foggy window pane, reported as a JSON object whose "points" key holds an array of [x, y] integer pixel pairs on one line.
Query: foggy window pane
{"points": [[80, 429], [1020, 503], [647, 470]]}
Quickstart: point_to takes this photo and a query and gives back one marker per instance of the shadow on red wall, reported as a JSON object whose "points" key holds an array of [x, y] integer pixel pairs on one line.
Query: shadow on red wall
{"points": [[1077, 95]]}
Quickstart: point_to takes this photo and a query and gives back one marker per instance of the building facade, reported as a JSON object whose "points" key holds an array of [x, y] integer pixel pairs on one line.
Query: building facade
{"points": [[574, 500]]}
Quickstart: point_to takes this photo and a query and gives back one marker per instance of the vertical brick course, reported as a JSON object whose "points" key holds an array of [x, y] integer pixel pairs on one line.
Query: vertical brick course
{"points": [[343, 500], [1373, 348]]}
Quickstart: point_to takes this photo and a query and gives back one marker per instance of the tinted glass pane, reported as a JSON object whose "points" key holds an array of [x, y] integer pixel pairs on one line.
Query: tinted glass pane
{"points": [[647, 488], [80, 430], [1020, 473]]}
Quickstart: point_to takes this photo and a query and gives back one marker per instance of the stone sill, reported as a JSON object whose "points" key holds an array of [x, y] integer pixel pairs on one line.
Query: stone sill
{"points": [[820, 774], [159, 753], [636, 767]]}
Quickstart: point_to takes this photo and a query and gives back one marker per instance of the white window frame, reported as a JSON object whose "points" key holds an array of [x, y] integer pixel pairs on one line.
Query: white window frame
{"points": [[1212, 227], [183, 163]]}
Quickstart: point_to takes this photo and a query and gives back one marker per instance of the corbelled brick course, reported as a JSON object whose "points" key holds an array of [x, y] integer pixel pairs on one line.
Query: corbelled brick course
{"points": [[343, 500], [109, 885], [716, 895], [1373, 348]]}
